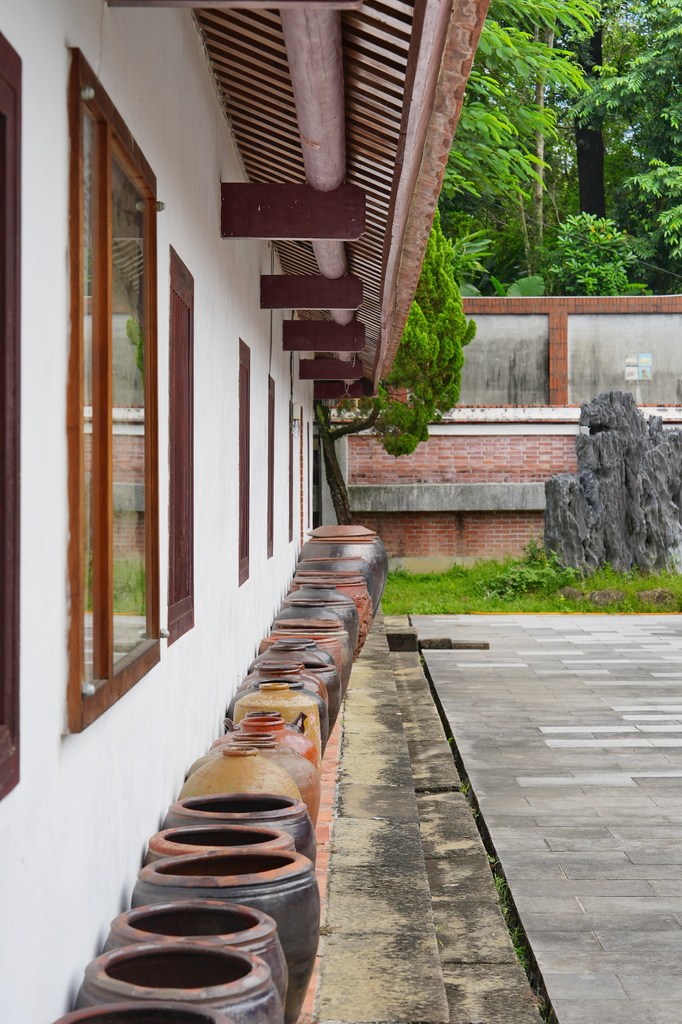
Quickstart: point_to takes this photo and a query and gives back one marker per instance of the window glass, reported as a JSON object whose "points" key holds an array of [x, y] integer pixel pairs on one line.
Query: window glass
{"points": [[89, 141], [128, 408]]}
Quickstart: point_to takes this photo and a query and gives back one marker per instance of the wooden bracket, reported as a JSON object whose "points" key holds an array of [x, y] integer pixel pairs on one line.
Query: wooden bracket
{"points": [[310, 291], [253, 210], [322, 336], [329, 369], [335, 389]]}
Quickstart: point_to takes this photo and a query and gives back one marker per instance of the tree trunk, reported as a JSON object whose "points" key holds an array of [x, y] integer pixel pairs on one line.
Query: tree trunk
{"points": [[539, 183], [589, 142], [335, 481]]}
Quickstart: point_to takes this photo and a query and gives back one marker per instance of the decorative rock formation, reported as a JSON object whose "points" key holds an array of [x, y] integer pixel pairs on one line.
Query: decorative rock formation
{"points": [[625, 505]]}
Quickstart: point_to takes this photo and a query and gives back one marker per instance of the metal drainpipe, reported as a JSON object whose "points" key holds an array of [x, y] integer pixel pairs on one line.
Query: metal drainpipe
{"points": [[315, 55]]}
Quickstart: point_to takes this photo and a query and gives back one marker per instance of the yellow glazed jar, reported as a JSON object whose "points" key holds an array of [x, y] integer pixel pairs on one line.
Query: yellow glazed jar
{"points": [[239, 771], [289, 703]]}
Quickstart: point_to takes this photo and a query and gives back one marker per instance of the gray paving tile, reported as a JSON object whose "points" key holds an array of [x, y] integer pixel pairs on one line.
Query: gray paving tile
{"points": [[586, 821]]}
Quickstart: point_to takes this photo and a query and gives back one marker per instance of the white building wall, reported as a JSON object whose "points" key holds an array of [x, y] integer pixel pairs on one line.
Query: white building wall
{"points": [[73, 832]]}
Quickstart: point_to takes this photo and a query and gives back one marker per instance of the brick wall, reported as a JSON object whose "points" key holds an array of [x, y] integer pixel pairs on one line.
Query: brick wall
{"points": [[446, 459], [455, 534]]}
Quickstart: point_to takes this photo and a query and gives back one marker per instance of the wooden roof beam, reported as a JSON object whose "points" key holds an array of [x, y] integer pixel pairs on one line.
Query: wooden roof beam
{"points": [[295, 212], [329, 369], [336, 389], [322, 336], [309, 291]]}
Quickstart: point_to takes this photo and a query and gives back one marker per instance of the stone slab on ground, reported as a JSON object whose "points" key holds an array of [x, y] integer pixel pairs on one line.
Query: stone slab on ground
{"points": [[483, 978], [380, 958], [570, 731]]}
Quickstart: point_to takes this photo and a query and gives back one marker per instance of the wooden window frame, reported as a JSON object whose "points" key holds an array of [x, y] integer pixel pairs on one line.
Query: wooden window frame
{"points": [[10, 354], [244, 459], [271, 467], [85, 90], [180, 451], [291, 471]]}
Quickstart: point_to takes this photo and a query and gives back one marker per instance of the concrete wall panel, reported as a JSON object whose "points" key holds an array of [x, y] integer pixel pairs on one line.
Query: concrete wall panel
{"points": [[507, 362]]}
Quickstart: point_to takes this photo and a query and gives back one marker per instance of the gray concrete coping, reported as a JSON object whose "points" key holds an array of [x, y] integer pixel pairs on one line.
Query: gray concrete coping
{"points": [[427, 497]]}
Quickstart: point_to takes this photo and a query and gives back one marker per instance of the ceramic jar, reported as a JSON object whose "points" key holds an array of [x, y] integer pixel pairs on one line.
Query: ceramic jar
{"points": [[327, 633], [304, 774], [290, 671], [316, 690], [258, 809], [290, 734], [152, 1012], [185, 972], [288, 701], [317, 661], [352, 542], [282, 885], [239, 771], [177, 842], [317, 599], [337, 563], [211, 921], [354, 586]]}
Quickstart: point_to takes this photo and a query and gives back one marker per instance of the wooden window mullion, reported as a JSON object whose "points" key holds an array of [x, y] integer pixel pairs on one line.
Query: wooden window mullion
{"points": [[244, 459], [102, 504], [10, 418], [271, 467], [181, 451]]}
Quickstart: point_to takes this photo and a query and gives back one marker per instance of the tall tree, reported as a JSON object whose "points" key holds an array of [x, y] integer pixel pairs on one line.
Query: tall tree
{"points": [[640, 89], [589, 136], [425, 378]]}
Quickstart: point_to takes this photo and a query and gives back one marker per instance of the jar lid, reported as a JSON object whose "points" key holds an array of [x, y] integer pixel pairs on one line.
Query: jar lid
{"points": [[274, 685], [236, 750], [340, 532]]}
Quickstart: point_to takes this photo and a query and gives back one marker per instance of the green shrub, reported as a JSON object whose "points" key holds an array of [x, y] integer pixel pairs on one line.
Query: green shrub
{"points": [[592, 257]]}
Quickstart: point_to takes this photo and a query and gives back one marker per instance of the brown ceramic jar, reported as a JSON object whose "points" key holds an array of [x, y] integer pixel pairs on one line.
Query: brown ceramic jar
{"points": [[211, 921], [288, 702], [316, 661], [290, 734], [177, 842], [282, 885], [349, 583], [316, 600], [326, 634], [304, 774], [259, 809], [353, 542], [239, 771], [221, 977], [291, 670], [330, 628], [152, 1012]]}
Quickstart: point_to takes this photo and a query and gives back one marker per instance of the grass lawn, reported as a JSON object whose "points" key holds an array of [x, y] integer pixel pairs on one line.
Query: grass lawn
{"points": [[529, 584]]}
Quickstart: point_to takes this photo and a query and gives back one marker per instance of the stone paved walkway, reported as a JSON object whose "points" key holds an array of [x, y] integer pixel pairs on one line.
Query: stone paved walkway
{"points": [[570, 730]]}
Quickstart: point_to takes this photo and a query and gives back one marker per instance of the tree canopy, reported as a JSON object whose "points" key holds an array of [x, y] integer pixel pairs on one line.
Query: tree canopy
{"points": [[572, 107]]}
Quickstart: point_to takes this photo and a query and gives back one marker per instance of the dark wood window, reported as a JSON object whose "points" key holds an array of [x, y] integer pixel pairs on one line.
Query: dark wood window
{"points": [[244, 458], [291, 473], [111, 406], [271, 466], [10, 263], [181, 451]]}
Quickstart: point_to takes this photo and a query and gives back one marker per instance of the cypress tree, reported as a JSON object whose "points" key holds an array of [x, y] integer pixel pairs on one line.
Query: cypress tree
{"points": [[426, 375]]}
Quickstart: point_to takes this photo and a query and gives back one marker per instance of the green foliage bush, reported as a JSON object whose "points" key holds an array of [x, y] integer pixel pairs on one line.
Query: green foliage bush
{"points": [[536, 573], [592, 257]]}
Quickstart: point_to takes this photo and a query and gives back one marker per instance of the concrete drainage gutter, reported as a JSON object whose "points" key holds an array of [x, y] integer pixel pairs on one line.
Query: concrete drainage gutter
{"points": [[413, 931]]}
